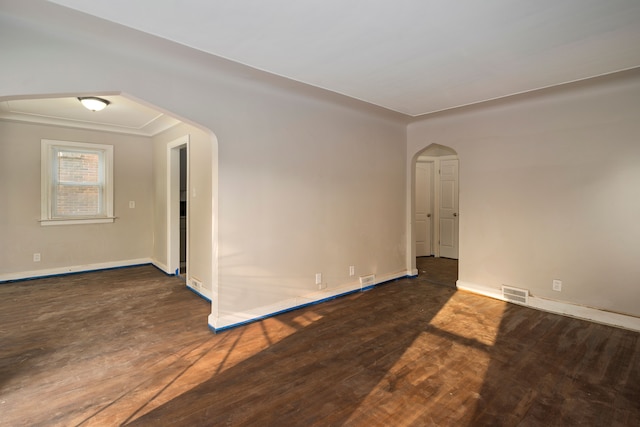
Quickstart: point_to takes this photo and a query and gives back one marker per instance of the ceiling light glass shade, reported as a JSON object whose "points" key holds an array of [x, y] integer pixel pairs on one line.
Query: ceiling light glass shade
{"points": [[93, 103]]}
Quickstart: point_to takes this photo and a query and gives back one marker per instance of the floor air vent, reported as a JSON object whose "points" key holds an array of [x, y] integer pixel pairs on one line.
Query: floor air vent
{"points": [[519, 296], [369, 280]]}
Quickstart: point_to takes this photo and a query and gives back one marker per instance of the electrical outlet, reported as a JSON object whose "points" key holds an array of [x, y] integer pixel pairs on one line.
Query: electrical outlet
{"points": [[319, 279], [352, 270], [557, 285], [36, 257], [132, 204]]}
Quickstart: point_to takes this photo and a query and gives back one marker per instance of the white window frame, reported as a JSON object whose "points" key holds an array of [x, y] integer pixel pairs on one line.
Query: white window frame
{"points": [[48, 149]]}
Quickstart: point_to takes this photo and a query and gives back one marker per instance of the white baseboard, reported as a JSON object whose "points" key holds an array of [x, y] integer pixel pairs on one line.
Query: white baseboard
{"points": [[228, 321], [161, 266], [587, 313], [559, 307], [201, 293], [22, 275], [480, 289]]}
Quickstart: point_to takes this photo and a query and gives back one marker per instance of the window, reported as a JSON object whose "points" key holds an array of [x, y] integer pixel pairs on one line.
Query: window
{"points": [[77, 183]]}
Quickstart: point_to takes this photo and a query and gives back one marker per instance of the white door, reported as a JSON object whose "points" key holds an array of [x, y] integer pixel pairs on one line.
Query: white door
{"points": [[449, 209], [423, 217]]}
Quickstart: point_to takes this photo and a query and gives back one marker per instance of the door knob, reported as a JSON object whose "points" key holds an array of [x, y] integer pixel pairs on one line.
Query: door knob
{"points": [[455, 214], [428, 215]]}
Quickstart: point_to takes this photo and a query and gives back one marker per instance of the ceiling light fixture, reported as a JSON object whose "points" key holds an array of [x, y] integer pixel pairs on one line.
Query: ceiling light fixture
{"points": [[94, 104]]}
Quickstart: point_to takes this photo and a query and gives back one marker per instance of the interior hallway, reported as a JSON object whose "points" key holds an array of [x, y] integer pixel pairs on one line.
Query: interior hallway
{"points": [[131, 347]]}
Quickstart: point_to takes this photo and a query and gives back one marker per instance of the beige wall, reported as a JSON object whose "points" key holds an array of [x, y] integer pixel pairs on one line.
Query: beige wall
{"points": [[307, 189], [549, 189], [70, 246], [308, 181]]}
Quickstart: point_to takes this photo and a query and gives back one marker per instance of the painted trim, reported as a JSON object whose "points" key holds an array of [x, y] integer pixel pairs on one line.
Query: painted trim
{"points": [[173, 201], [619, 320], [480, 289], [591, 314], [235, 320], [162, 267], [200, 294], [63, 271], [78, 221], [161, 270]]}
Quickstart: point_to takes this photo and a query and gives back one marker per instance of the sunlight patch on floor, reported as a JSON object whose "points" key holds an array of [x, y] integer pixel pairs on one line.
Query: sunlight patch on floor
{"points": [[471, 322], [307, 318], [198, 365], [431, 368]]}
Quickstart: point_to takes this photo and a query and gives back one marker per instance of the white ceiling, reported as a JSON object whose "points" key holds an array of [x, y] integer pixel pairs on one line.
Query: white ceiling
{"points": [[411, 56], [122, 115]]}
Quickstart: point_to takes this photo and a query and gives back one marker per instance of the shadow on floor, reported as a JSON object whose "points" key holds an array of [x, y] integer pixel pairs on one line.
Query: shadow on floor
{"points": [[319, 375]]}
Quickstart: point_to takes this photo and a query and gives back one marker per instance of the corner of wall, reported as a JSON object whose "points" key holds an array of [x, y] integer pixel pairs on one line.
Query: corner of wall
{"points": [[219, 323]]}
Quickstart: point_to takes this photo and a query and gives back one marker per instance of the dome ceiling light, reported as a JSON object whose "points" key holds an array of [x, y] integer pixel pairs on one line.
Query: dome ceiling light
{"points": [[93, 103]]}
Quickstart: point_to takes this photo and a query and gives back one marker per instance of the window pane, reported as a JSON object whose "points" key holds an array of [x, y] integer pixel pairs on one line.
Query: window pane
{"points": [[78, 189], [74, 200], [78, 167]]}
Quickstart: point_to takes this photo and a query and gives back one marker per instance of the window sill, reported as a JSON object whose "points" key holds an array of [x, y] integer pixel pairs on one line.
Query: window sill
{"points": [[76, 221]]}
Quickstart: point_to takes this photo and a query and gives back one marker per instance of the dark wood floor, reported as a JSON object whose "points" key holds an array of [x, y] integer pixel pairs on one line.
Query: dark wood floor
{"points": [[131, 347], [438, 271]]}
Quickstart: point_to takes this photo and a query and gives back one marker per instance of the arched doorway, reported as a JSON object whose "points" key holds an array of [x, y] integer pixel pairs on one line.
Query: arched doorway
{"points": [[434, 210], [143, 136]]}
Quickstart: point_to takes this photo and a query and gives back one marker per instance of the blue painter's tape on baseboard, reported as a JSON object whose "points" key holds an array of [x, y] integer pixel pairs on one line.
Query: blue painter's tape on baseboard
{"points": [[286, 310], [69, 273], [204, 297], [297, 307], [161, 270]]}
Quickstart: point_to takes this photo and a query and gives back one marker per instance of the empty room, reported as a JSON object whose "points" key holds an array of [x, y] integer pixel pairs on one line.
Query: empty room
{"points": [[320, 213]]}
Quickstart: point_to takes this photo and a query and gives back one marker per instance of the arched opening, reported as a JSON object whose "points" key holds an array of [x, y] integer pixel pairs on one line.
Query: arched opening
{"points": [[434, 212], [144, 137]]}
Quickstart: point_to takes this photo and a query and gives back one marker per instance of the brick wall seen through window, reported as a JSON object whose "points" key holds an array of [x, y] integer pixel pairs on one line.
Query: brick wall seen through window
{"points": [[78, 189], [76, 183]]}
